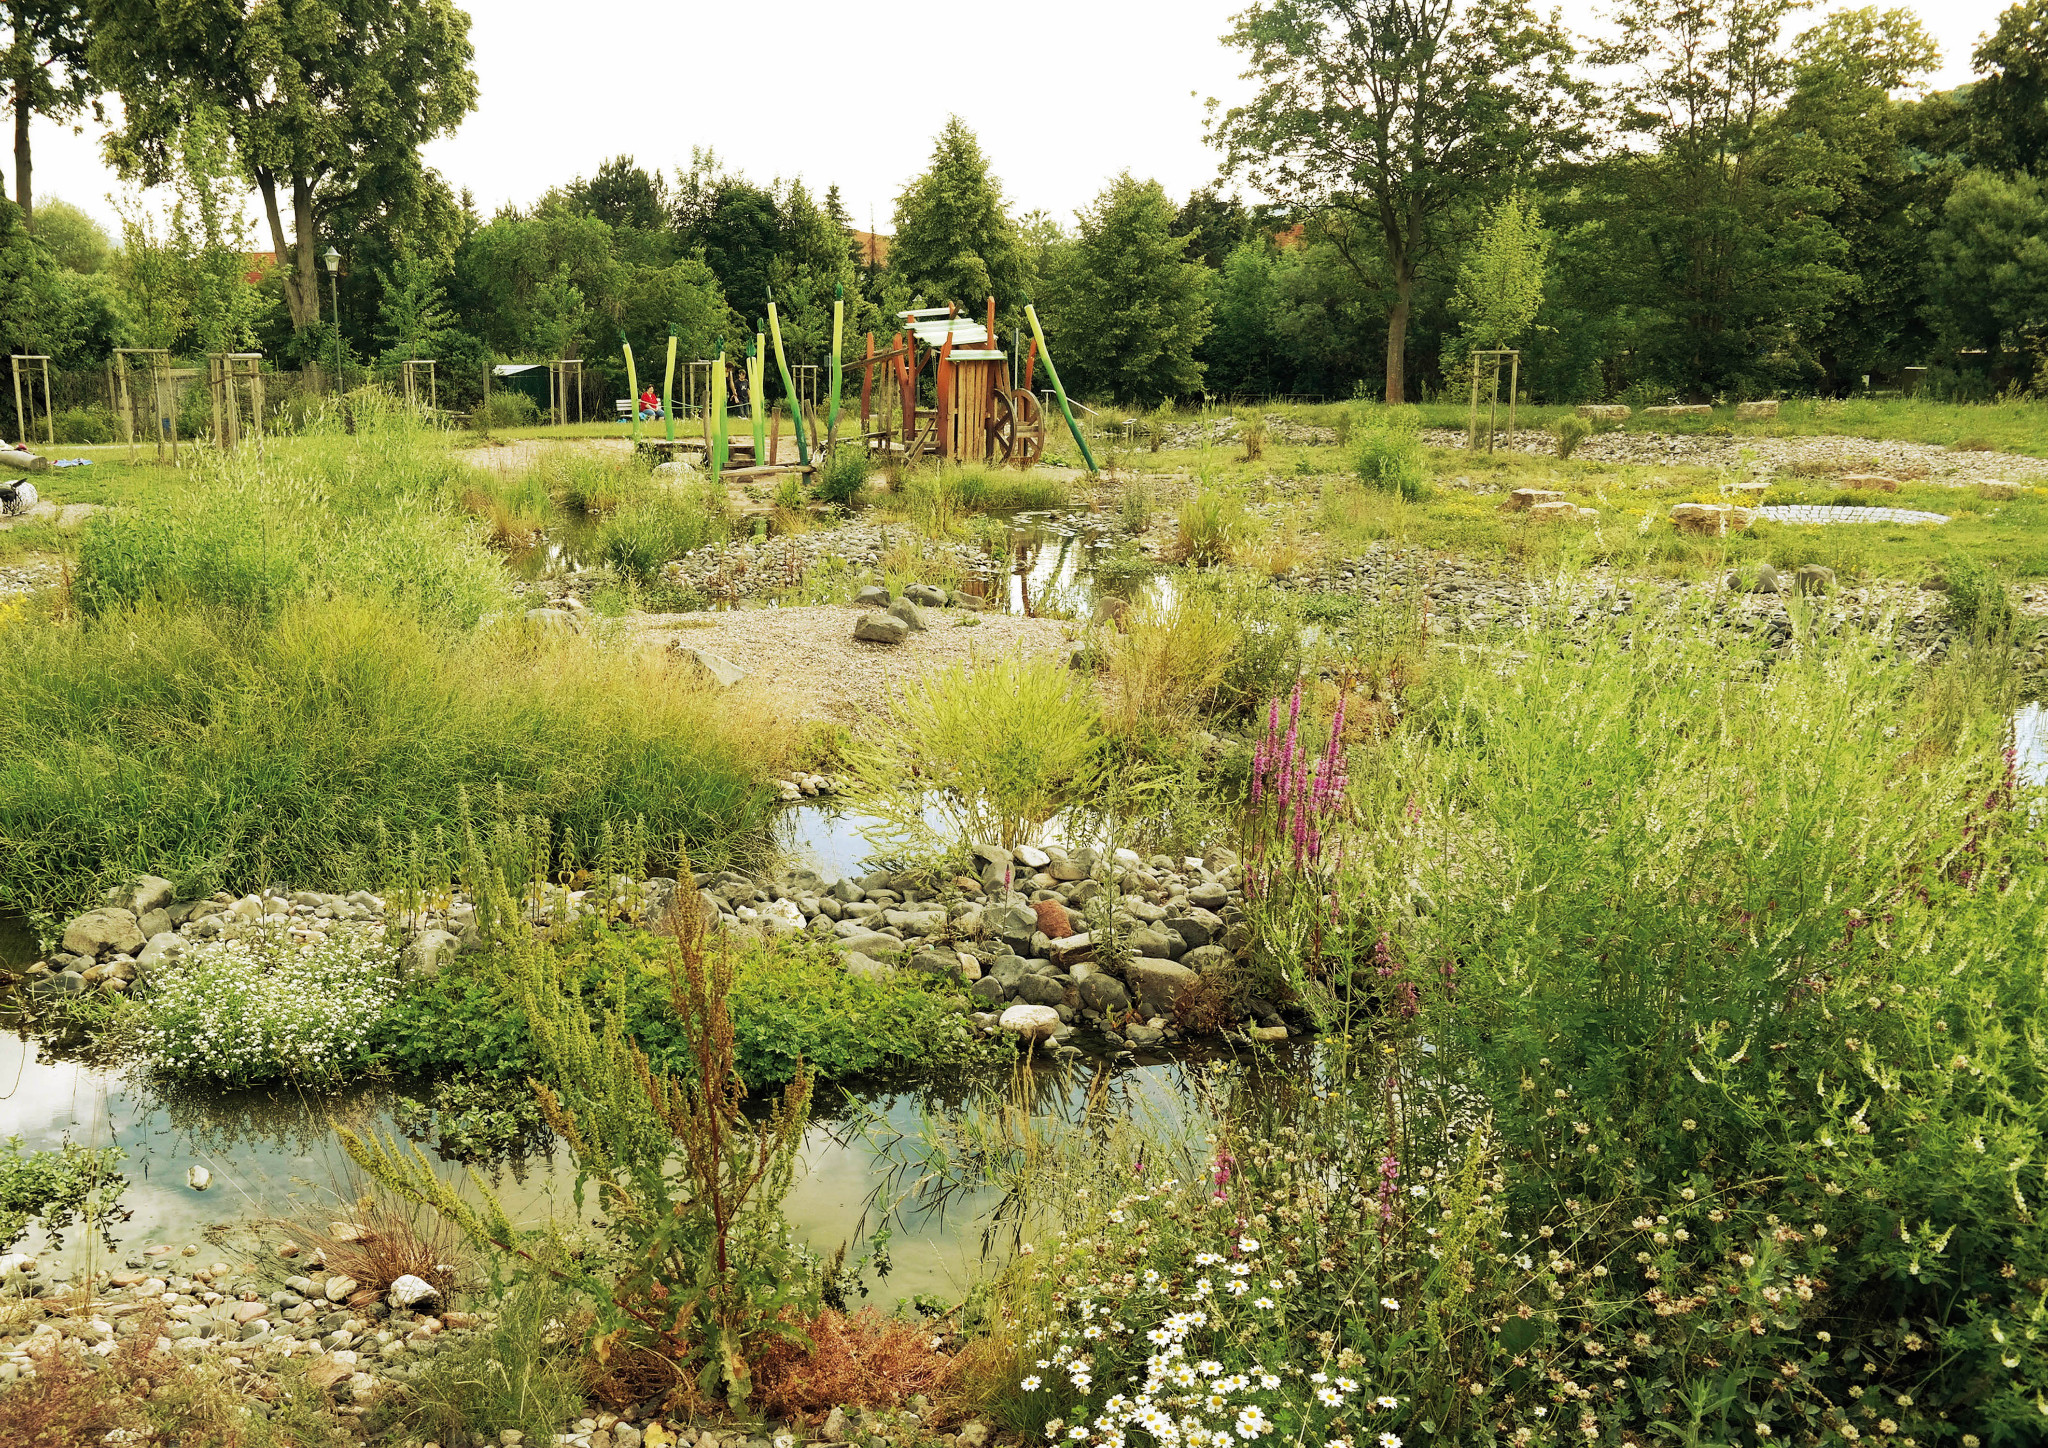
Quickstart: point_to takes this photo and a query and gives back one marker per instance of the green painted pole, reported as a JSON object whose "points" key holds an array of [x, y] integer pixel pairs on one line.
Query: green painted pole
{"points": [[838, 334], [718, 411], [668, 386], [796, 406], [1038, 335], [633, 386], [756, 368]]}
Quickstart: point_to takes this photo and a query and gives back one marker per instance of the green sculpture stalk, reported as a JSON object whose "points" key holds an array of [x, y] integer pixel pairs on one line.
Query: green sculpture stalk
{"points": [[668, 386], [756, 368], [838, 334], [633, 387], [796, 407], [1038, 335], [718, 413]]}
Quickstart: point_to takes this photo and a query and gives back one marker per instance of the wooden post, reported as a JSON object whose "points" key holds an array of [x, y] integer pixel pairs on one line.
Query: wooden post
{"points": [[127, 410], [1031, 364], [867, 383], [774, 436], [942, 385], [1472, 418], [668, 388], [1514, 391]]}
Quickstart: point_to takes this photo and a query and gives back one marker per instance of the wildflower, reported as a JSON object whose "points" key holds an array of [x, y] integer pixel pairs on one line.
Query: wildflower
{"points": [[1240, 1269], [1208, 1367], [1389, 1440], [1246, 1244], [1329, 1397], [1030, 1384], [1252, 1423], [1391, 1304], [1264, 1304], [1206, 1259], [1383, 1401], [1237, 1288], [1267, 1380], [1345, 1385]]}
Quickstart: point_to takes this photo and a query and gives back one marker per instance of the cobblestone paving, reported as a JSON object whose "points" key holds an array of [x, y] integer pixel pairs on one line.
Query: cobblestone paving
{"points": [[1830, 513]]}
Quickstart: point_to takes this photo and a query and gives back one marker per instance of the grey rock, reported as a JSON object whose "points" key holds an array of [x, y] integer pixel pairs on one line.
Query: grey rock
{"points": [[104, 931], [1007, 970], [926, 594], [339, 1287], [795, 881], [707, 669], [993, 855], [847, 892], [870, 943], [1030, 1022], [142, 894], [916, 922], [1041, 990], [1144, 1035], [881, 628], [1084, 894], [558, 619], [430, 951], [942, 963], [1158, 985], [1105, 995], [873, 596], [1813, 578], [166, 945], [1012, 924], [990, 989], [1151, 940], [1204, 959], [1210, 895], [906, 613], [1196, 926], [865, 966], [153, 922], [1033, 856]]}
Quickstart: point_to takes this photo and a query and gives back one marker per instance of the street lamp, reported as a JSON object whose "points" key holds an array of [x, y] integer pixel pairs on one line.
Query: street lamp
{"points": [[332, 258]]}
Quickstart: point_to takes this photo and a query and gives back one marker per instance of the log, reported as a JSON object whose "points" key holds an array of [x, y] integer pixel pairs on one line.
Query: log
{"points": [[23, 462]]}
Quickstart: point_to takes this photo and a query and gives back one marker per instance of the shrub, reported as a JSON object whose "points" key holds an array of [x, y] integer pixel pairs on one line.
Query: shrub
{"points": [[1977, 602], [1168, 664], [1135, 509], [504, 408], [1571, 430], [596, 482], [993, 748], [1389, 455], [844, 479], [85, 425], [52, 1189], [243, 1012], [1252, 433]]}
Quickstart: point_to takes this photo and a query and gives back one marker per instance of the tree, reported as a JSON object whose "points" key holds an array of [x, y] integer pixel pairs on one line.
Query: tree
{"points": [[1987, 265], [213, 237], [2008, 108], [31, 293], [622, 195], [1500, 282], [1729, 253], [955, 241], [76, 242], [43, 65], [1393, 114], [322, 96], [1141, 308], [1218, 225], [413, 311]]}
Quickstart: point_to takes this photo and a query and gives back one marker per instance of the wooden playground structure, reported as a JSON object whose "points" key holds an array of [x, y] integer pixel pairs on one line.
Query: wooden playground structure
{"points": [[982, 411]]}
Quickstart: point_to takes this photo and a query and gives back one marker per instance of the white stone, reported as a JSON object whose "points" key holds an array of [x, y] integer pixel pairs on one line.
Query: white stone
{"points": [[1030, 1023], [198, 1178], [1031, 855]]}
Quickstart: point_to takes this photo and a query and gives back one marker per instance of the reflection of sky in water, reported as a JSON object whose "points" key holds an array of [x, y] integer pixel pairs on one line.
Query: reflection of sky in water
{"points": [[274, 1154], [2030, 735]]}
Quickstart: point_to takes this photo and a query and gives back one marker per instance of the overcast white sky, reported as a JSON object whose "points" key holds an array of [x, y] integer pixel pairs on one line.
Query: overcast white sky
{"points": [[1064, 93]]}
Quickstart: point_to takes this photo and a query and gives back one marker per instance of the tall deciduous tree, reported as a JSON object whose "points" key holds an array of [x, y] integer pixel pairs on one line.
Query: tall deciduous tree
{"points": [[1500, 282], [955, 241], [2008, 108], [1987, 265], [1141, 307], [322, 96], [42, 64], [1393, 114]]}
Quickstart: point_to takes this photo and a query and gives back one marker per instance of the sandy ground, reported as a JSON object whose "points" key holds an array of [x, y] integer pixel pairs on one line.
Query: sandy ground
{"points": [[810, 657], [519, 454]]}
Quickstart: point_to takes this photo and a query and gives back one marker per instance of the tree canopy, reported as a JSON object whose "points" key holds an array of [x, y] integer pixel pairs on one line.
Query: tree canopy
{"points": [[955, 241]]}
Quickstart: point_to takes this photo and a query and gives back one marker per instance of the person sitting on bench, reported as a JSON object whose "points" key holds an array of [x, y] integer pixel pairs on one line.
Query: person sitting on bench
{"points": [[650, 405]]}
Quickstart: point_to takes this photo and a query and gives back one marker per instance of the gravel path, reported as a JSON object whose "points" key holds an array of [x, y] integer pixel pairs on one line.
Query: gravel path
{"points": [[1833, 513], [809, 655], [1768, 455]]}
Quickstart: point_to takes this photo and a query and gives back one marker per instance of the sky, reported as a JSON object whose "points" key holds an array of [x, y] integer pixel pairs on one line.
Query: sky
{"points": [[1064, 94]]}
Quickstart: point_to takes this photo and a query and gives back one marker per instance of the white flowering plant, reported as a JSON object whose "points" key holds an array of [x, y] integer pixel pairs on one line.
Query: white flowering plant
{"points": [[280, 1007]]}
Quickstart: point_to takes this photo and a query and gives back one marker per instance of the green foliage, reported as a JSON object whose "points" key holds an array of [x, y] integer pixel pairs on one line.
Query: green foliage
{"points": [[504, 409], [1136, 308], [1500, 281], [53, 1189], [955, 241], [84, 425], [844, 478], [643, 536], [1988, 262], [1977, 603], [1570, 431], [992, 748], [1210, 526], [1389, 454], [31, 294]]}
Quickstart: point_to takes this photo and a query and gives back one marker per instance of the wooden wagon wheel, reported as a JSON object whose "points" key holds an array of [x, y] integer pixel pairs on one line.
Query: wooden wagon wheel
{"points": [[1002, 425], [1029, 431]]}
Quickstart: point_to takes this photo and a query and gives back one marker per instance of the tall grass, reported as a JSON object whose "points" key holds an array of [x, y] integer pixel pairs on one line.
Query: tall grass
{"points": [[645, 534], [213, 749]]}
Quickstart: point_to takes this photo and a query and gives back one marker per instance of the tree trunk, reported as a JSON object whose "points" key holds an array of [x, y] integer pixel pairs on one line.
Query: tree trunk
{"points": [[23, 194], [1397, 333], [294, 301], [307, 261]]}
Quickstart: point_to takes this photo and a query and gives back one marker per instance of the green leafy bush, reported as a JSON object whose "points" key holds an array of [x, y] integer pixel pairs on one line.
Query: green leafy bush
{"points": [[504, 408], [1571, 430], [53, 1189], [1389, 454], [1976, 602], [245, 1012], [85, 425], [844, 478]]}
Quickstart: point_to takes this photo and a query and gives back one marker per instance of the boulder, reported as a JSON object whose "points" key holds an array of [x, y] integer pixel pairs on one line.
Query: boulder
{"points": [[1694, 409], [339, 1287], [1032, 856], [558, 619], [1014, 925], [870, 943], [142, 894], [1813, 578], [1610, 412], [166, 945], [1158, 943], [993, 855], [1205, 959], [1715, 520], [881, 628], [1052, 919], [706, 669], [104, 932], [1558, 512], [1522, 500], [916, 922], [907, 613], [430, 951], [1870, 482], [873, 596], [2000, 492], [926, 594], [1210, 895], [942, 963], [988, 988], [1105, 995], [198, 1178], [1158, 985], [1030, 1022], [865, 966], [1765, 581], [1041, 990], [1070, 949], [1756, 411], [412, 1294]]}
